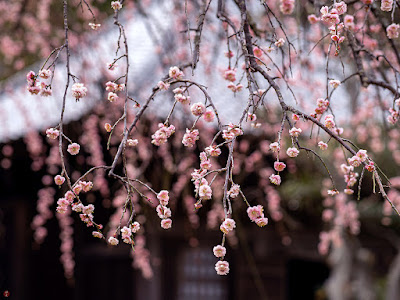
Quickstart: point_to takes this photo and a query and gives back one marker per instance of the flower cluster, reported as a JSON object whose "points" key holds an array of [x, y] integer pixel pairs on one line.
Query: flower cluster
{"points": [[163, 211], [175, 73], [70, 196], [162, 134], [52, 133], [36, 87], [190, 137], [113, 88], [78, 90], [256, 214], [234, 191], [392, 30], [228, 225], [198, 109], [232, 132]]}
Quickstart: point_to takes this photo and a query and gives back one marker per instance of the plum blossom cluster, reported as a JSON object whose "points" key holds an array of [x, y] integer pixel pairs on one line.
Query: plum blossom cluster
{"points": [[163, 212], [190, 137], [175, 73], [179, 95], [127, 233], [71, 199], [232, 132], [162, 134], [222, 267], [113, 88], [256, 214], [394, 114], [35, 87], [331, 18], [78, 90]]}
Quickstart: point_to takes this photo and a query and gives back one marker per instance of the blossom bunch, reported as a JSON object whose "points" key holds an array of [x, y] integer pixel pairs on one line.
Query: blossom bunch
{"points": [[162, 134]]}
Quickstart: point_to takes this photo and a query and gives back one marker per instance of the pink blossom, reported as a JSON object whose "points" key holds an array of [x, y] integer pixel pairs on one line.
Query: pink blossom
{"points": [[182, 98], [348, 191], [166, 223], [279, 166], [334, 83], [45, 74], [322, 145], [333, 192], [190, 137], [354, 161], [52, 133], [230, 75], [205, 192], [392, 31], [219, 251], [73, 148], [279, 43], [362, 154], [162, 134], [132, 142], [295, 132], [112, 97], [59, 180], [45, 90], [79, 90], [234, 191], [255, 212], [261, 222], [274, 147], [86, 186], [275, 179], [163, 85], [341, 7], [77, 207], [97, 234], [135, 227], [70, 196], [94, 26], [213, 151], [286, 6], [198, 109], [163, 211], [313, 19], [330, 19], [370, 167], [111, 86], [77, 189], [386, 5], [116, 5], [175, 73], [228, 225], [292, 152], [257, 52], [222, 267], [163, 197], [113, 241], [329, 122], [208, 116], [349, 22]]}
